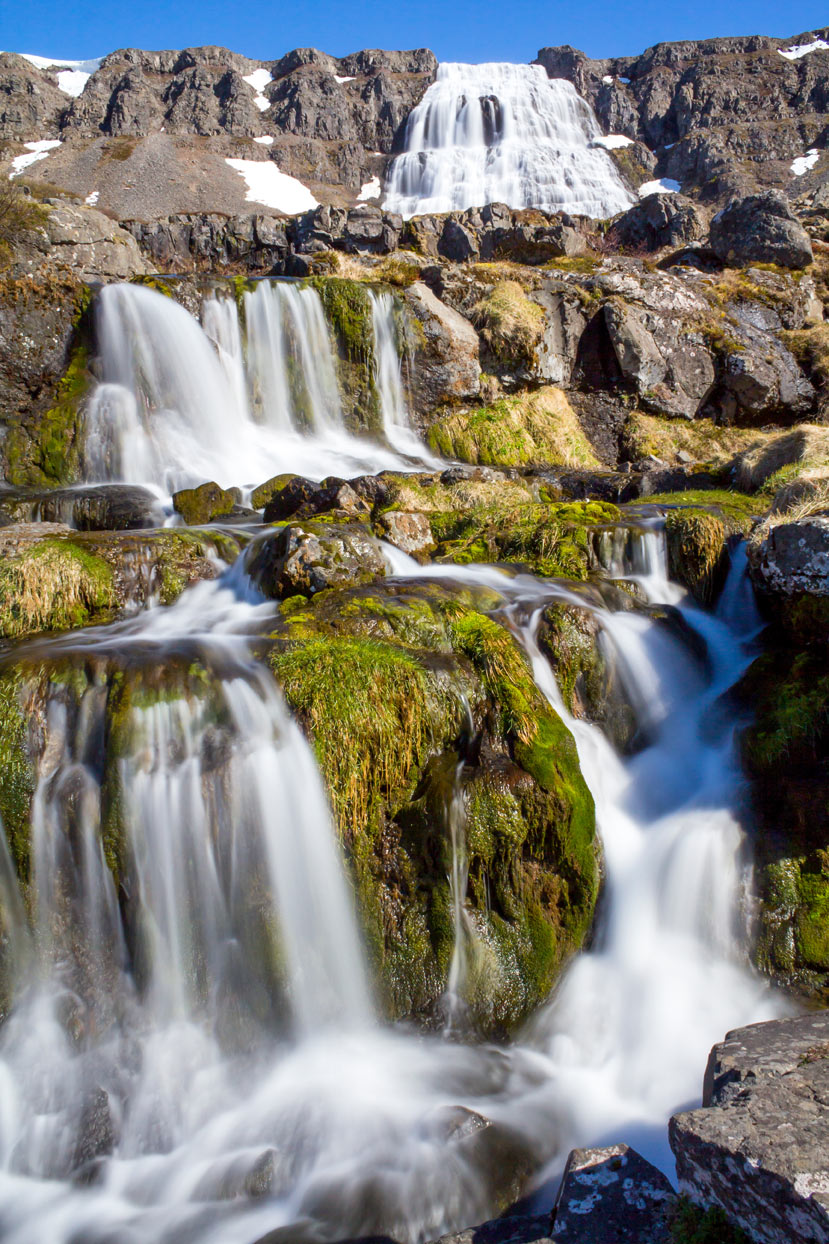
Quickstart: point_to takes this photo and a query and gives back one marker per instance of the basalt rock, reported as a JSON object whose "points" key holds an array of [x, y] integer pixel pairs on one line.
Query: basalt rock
{"points": [[200, 505], [446, 356], [760, 229], [612, 1196], [657, 221], [304, 559], [759, 1147]]}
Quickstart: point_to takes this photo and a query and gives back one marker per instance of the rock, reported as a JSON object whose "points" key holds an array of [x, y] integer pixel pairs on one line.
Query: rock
{"points": [[91, 245], [514, 1229], [335, 494], [446, 357], [263, 494], [636, 352], [793, 558], [200, 505], [305, 559], [96, 1134], [31, 103], [105, 507], [285, 501], [657, 221], [411, 533], [760, 229], [612, 1196], [759, 1147]]}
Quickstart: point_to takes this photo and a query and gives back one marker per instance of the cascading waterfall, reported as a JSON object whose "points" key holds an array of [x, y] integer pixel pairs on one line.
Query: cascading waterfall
{"points": [[149, 1088], [502, 133], [179, 403], [388, 381]]}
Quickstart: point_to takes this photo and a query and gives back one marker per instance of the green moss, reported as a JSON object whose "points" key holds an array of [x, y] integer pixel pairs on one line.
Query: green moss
{"points": [[738, 508], [53, 457], [510, 323], [157, 283], [54, 586], [18, 780], [348, 308], [812, 920], [200, 505], [533, 428], [792, 711], [586, 265], [692, 1225], [697, 551]]}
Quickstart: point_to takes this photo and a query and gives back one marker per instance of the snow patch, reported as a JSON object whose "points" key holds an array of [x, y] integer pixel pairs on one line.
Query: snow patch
{"points": [[610, 142], [803, 163], [607, 79], [274, 189], [371, 190], [92, 199], [35, 151], [265, 140], [74, 74], [665, 185], [259, 79], [803, 49], [337, 78]]}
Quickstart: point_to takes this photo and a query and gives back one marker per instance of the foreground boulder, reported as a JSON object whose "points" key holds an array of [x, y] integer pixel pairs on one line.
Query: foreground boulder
{"points": [[301, 560], [200, 505], [612, 1196], [759, 1147], [760, 229]]}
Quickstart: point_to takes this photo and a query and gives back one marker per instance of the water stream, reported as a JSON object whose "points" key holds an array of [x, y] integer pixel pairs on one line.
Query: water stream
{"points": [[181, 1063]]}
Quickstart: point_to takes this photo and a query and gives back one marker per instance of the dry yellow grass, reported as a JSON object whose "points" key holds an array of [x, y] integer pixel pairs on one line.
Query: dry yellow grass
{"points": [[702, 439], [782, 458], [510, 324], [539, 428]]}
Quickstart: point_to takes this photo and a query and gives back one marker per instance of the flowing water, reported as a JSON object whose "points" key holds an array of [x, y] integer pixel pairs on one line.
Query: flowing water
{"points": [[180, 1064], [501, 133], [180, 402]]}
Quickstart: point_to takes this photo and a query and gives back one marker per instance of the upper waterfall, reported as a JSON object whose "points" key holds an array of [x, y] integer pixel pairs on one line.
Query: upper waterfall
{"points": [[502, 133]]}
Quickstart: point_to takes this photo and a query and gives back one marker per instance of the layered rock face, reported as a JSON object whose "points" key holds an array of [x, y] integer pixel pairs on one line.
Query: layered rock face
{"points": [[723, 116]]}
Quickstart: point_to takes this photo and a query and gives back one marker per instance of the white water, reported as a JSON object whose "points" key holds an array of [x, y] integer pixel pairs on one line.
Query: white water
{"points": [[179, 403], [163, 997], [388, 381], [502, 133]]}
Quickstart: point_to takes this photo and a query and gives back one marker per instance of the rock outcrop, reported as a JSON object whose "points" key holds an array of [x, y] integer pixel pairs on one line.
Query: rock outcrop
{"points": [[760, 229], [759, 1147]]}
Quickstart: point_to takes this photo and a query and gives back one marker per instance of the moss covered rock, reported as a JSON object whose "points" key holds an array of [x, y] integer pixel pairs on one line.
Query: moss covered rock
{"points": [[415, 698], [536, 428], [202, 504]]}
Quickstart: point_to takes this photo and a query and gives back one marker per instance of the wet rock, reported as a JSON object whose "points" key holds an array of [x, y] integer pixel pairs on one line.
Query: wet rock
{"points": [[263, 494], [447, 366], [759, 1147], [106, 507], [335, 494], [286, 500], [514, 1229], [612, 1196], [96, 1133], [760, 229], [200, 505], [411, 533], [306, 559]]}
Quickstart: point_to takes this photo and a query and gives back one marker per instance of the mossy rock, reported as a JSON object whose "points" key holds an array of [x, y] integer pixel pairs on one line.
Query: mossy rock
{"points": [[535, 428], [260, 496], [204, 503], [392, 683], [45, 449], [511, 324], [54, 585]]}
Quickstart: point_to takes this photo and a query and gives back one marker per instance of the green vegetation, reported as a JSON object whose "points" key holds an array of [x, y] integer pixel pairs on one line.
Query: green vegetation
{"points": [[509, 322], [692, 1225], [17, 786], [20, 214], [538, 427], [348, 308], [705, 441], [585, 265], [53, 457], [779, 459], [200, 505], [54, 586]]}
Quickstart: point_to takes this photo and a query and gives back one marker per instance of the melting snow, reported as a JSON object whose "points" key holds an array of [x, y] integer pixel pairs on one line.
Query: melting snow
{"points": [[274, 189], [611, 141], [339, 79], [74, 74], [608, 78], [92, 199], [665, 185], [265, 140], [803, 49], [259, 79], [371, 190], [36, 151], [803, 163]]}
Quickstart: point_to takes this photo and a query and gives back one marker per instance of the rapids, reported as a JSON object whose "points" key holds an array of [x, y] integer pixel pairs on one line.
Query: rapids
{"points": [[251, 1090]]}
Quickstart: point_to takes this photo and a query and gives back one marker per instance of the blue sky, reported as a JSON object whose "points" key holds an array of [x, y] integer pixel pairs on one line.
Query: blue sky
{"points": [[473, 30]]}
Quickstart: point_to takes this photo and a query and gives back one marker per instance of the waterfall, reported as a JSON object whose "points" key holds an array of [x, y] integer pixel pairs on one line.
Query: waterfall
{"points": [[178, 403], [388, 381], [502, 133]]}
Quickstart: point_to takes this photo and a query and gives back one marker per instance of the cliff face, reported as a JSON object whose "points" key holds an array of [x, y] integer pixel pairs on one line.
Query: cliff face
{"points": [[722, 116]]}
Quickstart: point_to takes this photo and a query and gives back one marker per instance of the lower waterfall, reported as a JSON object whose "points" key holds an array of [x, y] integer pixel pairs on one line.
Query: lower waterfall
{"points": [[154, 1007]]}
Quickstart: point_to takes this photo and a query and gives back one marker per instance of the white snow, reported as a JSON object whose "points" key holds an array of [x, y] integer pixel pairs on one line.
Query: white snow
{"points": [[74, 74], [803, 49], [371, 190], [665, 185], [611, 141], [265, 140], [339, 79], [274, 189], [36, 151], [803, 163], [259, 79], [92, 199], [608, 78]]}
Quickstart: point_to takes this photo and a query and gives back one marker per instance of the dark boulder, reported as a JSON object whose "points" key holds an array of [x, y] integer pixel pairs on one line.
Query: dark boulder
{"points": [[760, 229], [656, 221], [303, 559], [612, 1196]]}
